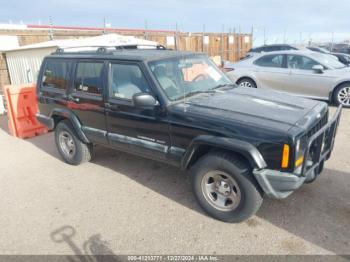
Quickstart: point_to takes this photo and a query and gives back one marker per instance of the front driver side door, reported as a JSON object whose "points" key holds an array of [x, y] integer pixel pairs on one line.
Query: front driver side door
{"points": [[304, 81], [136, 130]]}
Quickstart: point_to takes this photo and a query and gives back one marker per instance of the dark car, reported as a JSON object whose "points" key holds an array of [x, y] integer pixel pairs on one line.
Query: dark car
{"points": [[179, 108], [341, 48], [272, 48], [343, 58]]}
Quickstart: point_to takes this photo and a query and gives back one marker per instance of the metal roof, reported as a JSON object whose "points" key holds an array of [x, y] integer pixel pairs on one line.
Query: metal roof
{"points": [[102, 40]]}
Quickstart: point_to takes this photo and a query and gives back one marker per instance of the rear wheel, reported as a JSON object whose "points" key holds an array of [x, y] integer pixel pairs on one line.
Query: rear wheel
{"points": [[225, 187], [342, 95], [70, 147], [246, 82]]}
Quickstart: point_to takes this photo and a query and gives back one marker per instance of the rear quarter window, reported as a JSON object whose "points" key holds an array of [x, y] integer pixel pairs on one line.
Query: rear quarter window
{"points": [[56, 72], [270, 61]]}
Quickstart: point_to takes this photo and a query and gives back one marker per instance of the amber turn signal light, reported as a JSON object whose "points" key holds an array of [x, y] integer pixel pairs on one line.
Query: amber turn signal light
{"points": [[285, 156]]}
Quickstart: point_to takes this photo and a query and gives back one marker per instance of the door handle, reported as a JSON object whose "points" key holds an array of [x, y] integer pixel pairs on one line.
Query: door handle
{"points": [[111, 106], [74, 99]]}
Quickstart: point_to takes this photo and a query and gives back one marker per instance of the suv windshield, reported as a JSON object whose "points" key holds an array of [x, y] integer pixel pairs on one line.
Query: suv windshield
{"points": [[183, 77]]}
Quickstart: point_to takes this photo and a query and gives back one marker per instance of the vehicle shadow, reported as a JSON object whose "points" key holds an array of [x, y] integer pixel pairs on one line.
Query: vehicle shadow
{"points": [[93, 250], [3, 123], [318, 213]]}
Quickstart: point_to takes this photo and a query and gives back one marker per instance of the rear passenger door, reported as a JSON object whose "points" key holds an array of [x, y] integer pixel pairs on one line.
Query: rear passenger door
{"points": [[86, 98], [137, 130], [271, 71]]}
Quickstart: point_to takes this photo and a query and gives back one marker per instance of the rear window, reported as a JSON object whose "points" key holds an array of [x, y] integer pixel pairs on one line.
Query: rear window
{"points": [[56, 73]]}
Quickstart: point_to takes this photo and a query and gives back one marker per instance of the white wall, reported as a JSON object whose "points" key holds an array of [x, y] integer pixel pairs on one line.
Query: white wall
{"points": [[8, 42], [24, 65]]}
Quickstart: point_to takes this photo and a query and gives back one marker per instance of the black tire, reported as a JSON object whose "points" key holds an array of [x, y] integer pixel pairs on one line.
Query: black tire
{"points": [[246, 82], [237, 168], [82, 152], [341, 88]]}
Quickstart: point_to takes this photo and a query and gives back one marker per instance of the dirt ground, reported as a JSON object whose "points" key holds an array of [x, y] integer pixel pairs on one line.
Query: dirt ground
{"points": [[122, 204]]}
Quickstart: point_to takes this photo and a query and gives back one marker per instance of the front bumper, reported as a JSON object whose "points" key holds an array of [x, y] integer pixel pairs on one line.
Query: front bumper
{"points": [[278, 184]]}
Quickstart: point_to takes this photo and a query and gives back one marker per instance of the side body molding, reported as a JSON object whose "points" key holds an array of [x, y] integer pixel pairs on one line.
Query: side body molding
{"points": [[246, 149], [74, 120]]}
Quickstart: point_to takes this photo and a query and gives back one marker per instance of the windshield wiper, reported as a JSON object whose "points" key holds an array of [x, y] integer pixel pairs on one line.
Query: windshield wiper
{"points": [[223, 85], [210, 91]]}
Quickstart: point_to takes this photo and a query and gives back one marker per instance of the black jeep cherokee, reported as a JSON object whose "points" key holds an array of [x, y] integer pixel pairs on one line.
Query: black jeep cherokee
{"points": [[179, 108]]}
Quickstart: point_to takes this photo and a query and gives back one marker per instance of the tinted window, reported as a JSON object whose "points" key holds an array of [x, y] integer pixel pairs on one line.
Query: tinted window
{"points": [[270, 61], [127, 80], [344, 59], [56, 74], [88, 77], [256, 50], [300, 62], [272, 48], [287, 47]]}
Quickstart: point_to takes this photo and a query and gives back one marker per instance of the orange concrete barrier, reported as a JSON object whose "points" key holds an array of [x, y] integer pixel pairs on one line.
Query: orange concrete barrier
{"points": [[21, 110]]}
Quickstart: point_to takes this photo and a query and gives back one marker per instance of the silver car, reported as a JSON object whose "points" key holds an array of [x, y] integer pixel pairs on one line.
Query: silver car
{"points": [[303, 73]]}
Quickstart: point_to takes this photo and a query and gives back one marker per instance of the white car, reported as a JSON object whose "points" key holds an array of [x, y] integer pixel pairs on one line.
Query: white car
{"points": [[303, 73]]}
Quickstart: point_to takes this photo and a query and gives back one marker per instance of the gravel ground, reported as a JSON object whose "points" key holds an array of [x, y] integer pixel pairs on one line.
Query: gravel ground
{"points": [[122, 204]]}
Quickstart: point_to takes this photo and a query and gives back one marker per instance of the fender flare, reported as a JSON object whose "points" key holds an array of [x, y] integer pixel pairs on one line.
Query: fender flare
{"points": [[74, 120], [249, 151]]}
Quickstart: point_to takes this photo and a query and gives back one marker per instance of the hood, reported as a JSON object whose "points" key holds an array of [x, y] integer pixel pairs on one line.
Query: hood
{"points": [[261, 108]]}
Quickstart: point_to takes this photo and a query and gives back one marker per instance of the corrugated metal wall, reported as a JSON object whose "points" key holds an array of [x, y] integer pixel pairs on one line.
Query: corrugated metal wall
{"points": [[24, 65]]}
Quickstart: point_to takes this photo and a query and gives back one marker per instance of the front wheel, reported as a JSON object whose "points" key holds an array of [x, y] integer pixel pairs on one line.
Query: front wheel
{"points": [[342, 95], [225, 187]]}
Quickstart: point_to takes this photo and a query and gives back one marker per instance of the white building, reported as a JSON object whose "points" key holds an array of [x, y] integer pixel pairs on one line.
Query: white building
{"points": [[24, 62]]}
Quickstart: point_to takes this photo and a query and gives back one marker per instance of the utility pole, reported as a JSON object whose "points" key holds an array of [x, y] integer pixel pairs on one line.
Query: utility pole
{"points": [[203, 35], [239, 43], [332, 43], [176, 37], [146, 28], [222, 43], [104, 25], [284, 37], [51, 36]]}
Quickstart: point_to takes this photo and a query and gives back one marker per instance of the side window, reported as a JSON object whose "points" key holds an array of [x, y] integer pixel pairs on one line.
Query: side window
{"points": [[89, 77], [127, 80], [300, 62], [56, 74], [258, 49], [272, 48], [270, 61], [287, 47]]}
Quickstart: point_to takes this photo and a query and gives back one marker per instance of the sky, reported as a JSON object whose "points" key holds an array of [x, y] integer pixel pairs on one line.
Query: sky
{"points": [[278, 20]]}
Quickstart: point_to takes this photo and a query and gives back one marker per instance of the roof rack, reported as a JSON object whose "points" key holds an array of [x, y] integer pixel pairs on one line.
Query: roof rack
{"points": [[105, 49]]}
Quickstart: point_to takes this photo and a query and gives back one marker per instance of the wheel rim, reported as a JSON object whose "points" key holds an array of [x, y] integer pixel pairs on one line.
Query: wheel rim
{"points": [[67, 144], [246, 84], [221, 190], [344, 96]]}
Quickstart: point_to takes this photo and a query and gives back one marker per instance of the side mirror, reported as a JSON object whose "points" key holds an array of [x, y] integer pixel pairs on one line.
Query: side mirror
{"points": [[318, 69], [144, 100]]}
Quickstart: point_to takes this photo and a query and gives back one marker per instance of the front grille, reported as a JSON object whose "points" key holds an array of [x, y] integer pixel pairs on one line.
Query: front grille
{"points": [[323, 121]]}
